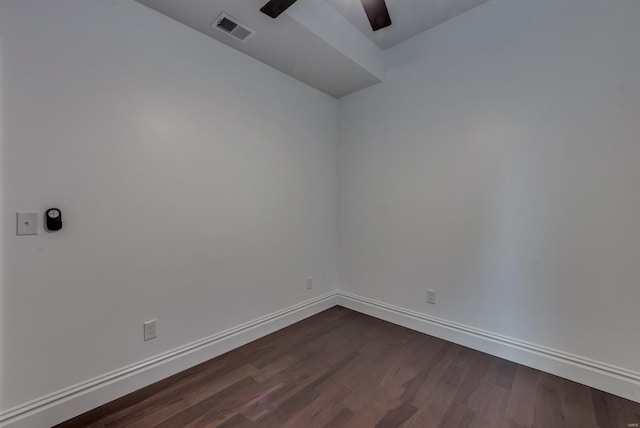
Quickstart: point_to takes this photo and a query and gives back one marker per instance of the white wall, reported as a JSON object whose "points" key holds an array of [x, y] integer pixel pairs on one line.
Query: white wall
{"points": [[499, 164], [197, 185]]}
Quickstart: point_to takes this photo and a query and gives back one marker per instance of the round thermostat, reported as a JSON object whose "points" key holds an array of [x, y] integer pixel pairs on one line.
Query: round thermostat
{"points": [[53, 220]]}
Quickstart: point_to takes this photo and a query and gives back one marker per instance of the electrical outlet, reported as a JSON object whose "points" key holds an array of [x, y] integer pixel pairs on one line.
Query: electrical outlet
{"points": [[150, 330], [309, 283], [431, 297]]}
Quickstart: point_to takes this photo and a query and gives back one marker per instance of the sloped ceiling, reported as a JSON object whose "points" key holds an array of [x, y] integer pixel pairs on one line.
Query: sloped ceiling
{"points": [[327, 44]]}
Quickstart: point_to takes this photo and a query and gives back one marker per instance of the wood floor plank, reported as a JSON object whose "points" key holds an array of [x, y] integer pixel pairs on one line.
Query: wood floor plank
{"points": [[273, 368], [610, 410], [375, 402], [342, 419], [288, 408], [403, 361], [453, 375], [302, 339], [576, 403], [491, 407], [548, 411], [632, 411], [397, 416], [267, 402], [470, 389], [457, 416], [283, 386], [321, 411], [417, 384], [434, 408], [361, 372], [340, 368], [521, 407], [205, 409], [436, 373], [510, 423], [506, 374], [238, 421], [150, 419]]}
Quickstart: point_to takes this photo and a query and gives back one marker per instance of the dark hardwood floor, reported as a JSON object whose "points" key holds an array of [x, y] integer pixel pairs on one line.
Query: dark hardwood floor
{"points": [[344, 369]]}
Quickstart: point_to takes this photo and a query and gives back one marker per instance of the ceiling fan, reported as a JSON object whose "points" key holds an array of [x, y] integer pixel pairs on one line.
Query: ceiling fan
{"points": [[376, 11]]}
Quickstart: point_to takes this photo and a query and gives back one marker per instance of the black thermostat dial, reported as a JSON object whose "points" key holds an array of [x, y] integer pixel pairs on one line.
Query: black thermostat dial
{"points": [[53, 219]]}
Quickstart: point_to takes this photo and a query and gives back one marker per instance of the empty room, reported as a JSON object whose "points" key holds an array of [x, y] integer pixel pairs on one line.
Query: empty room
{"points": [[319, 213]]}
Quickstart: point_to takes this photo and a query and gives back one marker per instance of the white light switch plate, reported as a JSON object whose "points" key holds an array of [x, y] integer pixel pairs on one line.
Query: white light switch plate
{"points": [[27, 223]]}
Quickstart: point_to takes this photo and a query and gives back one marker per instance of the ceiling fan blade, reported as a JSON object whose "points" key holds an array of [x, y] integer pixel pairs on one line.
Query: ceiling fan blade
{"points": [[377, 13], [276, 7]]}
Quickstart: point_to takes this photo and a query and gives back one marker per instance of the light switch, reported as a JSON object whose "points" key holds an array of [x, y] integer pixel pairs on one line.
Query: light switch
{"points": [[27, 223]]}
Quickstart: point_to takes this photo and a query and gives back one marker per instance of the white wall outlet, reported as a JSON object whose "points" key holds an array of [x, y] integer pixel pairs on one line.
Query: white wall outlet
{"points": [[150, 330], [27, 223], [309, 283], [431, 297]]}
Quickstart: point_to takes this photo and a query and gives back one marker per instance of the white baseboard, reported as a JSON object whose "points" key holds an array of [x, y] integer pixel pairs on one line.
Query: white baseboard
{"points": [[77, 399], [615, 380]]}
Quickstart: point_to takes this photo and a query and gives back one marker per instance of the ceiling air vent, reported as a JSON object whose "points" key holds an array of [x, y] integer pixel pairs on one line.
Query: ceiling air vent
{"points": [[233, 27]]}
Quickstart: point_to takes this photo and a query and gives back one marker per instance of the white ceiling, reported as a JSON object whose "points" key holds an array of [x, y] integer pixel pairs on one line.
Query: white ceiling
{"points": [[326, 44], [408, 17]]}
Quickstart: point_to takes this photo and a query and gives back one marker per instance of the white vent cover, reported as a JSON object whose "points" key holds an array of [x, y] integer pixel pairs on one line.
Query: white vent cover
{"points": [[231, 26]]}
